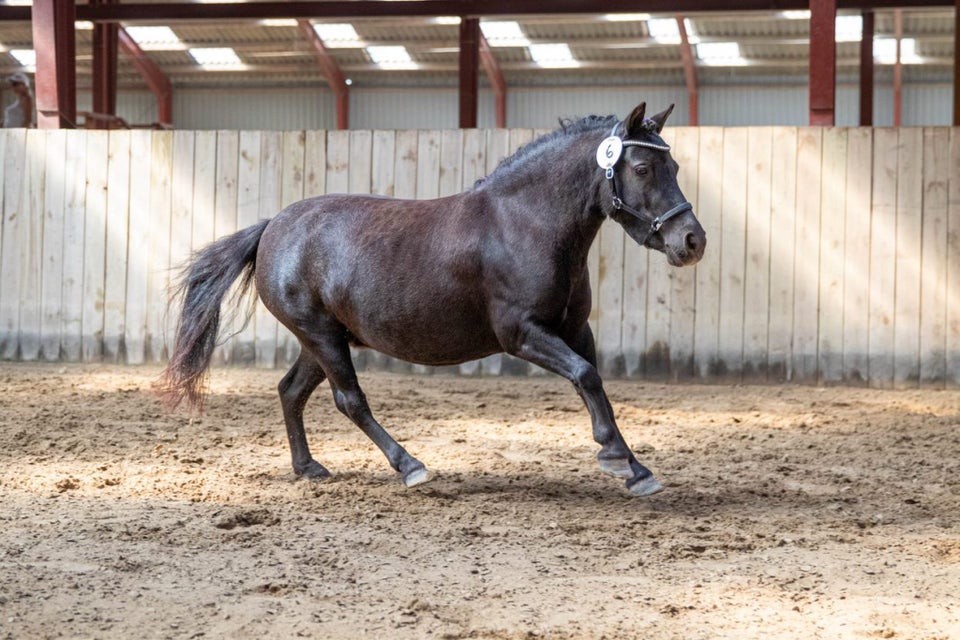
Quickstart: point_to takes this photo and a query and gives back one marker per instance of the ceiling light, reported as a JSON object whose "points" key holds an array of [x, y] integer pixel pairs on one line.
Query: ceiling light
{"points": [[83, 25], [26, 57], [155, 38], [216, 57], [446, 20], [504, 34], [800, 14], [626, 17], [338, 35], [723, 54], [849, 28], [391, 57], [556, 56]]}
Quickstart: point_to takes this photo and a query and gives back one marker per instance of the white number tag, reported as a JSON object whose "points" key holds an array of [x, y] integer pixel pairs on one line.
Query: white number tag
{"points": [[609, 152]]}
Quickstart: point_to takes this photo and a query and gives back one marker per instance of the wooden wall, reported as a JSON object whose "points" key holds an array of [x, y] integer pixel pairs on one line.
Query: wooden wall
{"points": [[833, 254]]}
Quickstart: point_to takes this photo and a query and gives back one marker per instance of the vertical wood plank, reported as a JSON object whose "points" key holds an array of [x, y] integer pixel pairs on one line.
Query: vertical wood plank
{"points": [[315, 164], [75, 189], [138, 257], [248, 213], [782, 251], [933, 274], [686, 148], [225, 197], [12, 161], [382, 182], [856, 264], [953, 264], [610, 319], [271, 177], [733, 233], [181, 215], [31, 251], [361, 161], [94, 245], [51, 284], [159, 341], [906, 323], [756, 311], [633, 335], [883, 233], [294, 143], [833, 207], [710, 198], [118, 224], [451, 162], [338, 161], [806, 268]]}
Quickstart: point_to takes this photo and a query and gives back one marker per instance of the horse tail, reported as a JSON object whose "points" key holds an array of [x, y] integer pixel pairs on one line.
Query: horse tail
{"points": [[203, 284]]}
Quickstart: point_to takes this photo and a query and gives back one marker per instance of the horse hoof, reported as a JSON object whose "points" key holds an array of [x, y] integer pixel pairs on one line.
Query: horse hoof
{"points": [[416, 476], [645, 486], [617, 467], [313, 471]]}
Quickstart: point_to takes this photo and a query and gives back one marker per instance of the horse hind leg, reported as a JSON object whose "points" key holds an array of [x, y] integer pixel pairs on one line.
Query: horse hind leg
{"points": [[295, 389], [330, 348]]}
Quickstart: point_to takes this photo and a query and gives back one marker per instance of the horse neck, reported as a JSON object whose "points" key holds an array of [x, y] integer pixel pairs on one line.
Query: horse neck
{"points": [[565, 186]]}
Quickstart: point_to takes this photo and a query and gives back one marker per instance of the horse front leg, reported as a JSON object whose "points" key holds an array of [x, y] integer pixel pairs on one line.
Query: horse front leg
{"points": [[578, 365]]}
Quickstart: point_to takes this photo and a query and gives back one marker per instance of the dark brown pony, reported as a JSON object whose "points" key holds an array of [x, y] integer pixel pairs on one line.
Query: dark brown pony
{"points": [[501, 267]]}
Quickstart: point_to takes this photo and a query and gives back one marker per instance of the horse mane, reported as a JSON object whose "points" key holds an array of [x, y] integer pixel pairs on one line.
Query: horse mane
{"points": [[568, 128]]}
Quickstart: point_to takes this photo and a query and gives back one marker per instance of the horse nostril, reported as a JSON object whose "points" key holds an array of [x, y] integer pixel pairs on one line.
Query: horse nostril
{"points": [[692, 242]]}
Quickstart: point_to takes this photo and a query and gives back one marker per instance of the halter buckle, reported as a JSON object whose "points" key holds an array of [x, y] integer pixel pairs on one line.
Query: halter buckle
{"points": [[617, 202]]}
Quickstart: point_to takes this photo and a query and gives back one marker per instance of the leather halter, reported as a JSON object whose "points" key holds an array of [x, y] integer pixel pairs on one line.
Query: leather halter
{"points": [[654, 223]]}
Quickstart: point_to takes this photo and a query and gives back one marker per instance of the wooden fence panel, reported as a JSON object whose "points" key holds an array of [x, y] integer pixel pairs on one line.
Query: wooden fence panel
{"points": [[832, 253], [933, 270], [856, 256], [75, 187], [51, 284], [833, 209]]}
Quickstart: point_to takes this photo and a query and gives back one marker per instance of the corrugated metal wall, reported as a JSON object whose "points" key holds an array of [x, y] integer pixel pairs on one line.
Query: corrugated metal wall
{"points": [[285, 109]]}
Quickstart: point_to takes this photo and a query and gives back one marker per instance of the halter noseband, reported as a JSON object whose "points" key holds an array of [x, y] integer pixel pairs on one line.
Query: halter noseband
{"points": [[656, 223]]}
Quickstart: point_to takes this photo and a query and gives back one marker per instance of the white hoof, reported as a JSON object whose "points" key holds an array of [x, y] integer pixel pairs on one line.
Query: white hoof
{"points": [[415, 477], [646, 487], [618, 468]]}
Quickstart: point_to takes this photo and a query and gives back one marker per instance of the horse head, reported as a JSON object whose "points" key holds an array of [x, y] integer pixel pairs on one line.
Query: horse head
{"points": [[647, 201]]}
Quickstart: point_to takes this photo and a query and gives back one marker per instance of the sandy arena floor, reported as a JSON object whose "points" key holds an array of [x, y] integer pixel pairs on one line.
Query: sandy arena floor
{"points": [[789, 512]]}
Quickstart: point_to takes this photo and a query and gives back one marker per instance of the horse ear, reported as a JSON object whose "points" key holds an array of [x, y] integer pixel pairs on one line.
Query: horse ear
{"points": [[634, 121], [661, 118]]}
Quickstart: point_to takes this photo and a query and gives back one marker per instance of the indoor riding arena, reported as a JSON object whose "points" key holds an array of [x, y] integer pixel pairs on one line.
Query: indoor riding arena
{"points": [[779, 417]]}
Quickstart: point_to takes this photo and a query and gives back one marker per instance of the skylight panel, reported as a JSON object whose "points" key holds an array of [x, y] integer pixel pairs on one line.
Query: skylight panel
{"points": [[155, 38], [664, 30], [555, 56], [83, 25], [885, 51], [216, 57], [626, 17], [338, 35], [849, 28], [391, 57], [504, 33], [798, 14], [26, 57], [724, 54], [446, 20], [278, 22]]}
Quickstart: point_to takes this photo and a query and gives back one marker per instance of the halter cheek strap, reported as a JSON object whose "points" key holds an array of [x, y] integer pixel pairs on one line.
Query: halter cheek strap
{"points": [[656, 223]]}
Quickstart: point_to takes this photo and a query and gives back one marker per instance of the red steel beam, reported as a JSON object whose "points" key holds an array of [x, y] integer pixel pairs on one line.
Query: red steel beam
{"points": [[497, 81], [469, 71], [155, 78], [104, 68], [823, 62], [689, 73], [56, 78], [331, 71], [866, 70]]}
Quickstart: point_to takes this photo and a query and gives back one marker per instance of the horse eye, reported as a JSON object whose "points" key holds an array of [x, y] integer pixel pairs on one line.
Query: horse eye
{"points": [[640, 169]]}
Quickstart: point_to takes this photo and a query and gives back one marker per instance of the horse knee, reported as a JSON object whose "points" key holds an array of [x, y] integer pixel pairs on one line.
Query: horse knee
{"points": [[587, 380], [352, 404]]}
